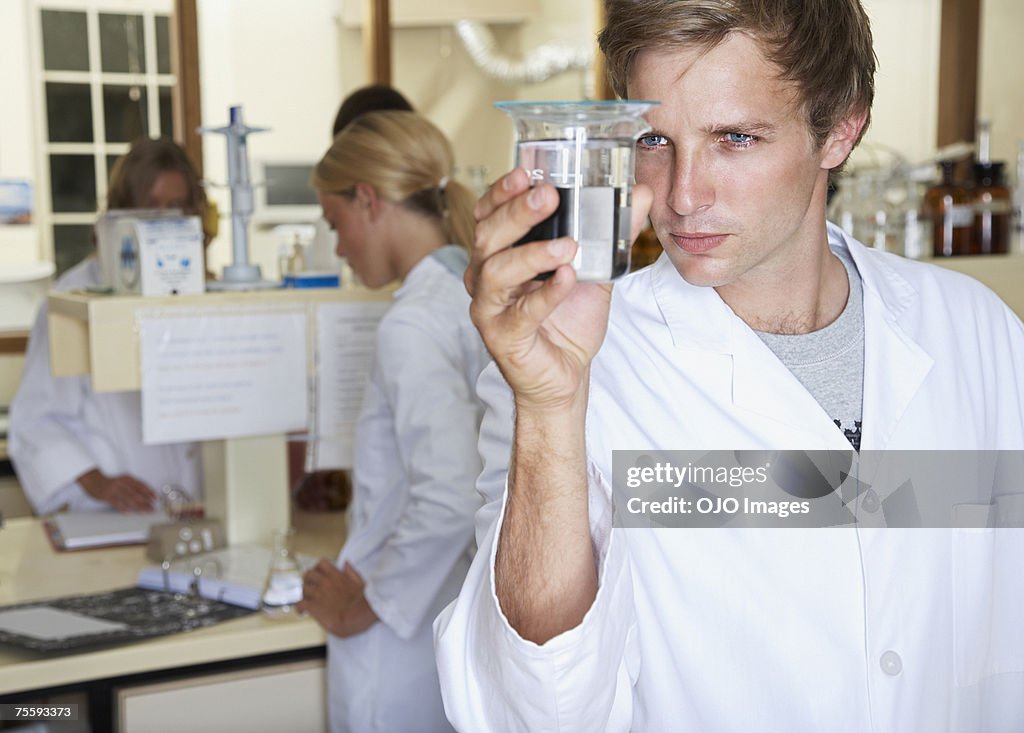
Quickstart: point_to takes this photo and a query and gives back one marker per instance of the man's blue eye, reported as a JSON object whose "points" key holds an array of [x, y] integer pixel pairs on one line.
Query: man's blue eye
{"points": [[652, 141], [739, 138]]}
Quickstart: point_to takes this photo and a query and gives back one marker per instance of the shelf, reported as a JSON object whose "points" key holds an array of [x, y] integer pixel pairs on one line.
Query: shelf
{"points": [[245, 478], [96, 334]]}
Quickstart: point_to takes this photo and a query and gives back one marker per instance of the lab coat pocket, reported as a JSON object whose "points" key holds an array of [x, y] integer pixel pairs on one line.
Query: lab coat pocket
{"points": [[988, 590]]}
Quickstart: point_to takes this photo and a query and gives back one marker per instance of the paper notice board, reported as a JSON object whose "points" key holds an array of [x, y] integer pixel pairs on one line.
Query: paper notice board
{"points": [[222, 375], [346, 343]]}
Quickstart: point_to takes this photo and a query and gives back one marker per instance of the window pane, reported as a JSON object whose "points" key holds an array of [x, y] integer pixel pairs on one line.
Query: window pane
{"points": [[163, 44], [65, 41], [122, 45], [167, 113], [68, 113], [73, 182], [124, 111], [72, 243]]}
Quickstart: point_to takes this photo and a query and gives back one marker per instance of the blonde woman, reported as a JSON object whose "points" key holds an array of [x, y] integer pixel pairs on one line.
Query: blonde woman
{"points": [[386, 188]]}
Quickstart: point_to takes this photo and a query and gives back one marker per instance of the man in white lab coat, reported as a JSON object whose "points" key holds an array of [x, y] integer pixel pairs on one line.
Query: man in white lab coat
{"points": [[761, 327]]}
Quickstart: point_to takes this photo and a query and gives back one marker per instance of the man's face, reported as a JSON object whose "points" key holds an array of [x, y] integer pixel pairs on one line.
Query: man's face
{"points": [[739, 185]]}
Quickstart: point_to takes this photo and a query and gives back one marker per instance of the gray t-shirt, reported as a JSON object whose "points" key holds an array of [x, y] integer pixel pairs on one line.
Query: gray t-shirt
{"points": [[830, 362]]}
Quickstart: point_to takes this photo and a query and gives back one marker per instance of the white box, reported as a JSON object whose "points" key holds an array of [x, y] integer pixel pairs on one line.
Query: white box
{"points": [[151, 252], [171, 256]]}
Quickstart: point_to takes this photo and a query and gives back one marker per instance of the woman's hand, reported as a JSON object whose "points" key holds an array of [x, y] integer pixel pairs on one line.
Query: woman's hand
{"points": [[335, 599], [125, 493]]}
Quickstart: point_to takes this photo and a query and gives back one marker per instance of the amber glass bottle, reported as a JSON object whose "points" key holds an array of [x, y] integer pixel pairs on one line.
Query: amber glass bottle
{"points": [[947, 205], [991, 203]]}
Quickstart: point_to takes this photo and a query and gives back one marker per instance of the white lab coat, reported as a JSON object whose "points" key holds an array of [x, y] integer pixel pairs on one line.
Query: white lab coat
{"points": [[411, 521], [784, 631], [59, 428]]}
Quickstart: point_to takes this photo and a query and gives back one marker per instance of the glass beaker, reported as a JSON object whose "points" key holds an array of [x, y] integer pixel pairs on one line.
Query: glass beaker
{"points": [[283, 586], [586, 151]]}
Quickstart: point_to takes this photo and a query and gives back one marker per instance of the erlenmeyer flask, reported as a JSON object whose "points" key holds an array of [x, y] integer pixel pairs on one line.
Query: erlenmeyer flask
{"points": [[283, 586]]}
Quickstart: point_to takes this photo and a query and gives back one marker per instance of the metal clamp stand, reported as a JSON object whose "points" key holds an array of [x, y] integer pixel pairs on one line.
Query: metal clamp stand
{"points": [[240, 274]]}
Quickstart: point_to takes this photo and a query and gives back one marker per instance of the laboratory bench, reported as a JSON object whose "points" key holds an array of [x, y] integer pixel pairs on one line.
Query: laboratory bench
{"points": [[269, 672]]}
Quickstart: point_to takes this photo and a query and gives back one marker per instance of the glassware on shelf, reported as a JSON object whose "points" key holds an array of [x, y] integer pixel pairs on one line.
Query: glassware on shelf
{"points": [[992, 209], [877, 207], [947, 204]]}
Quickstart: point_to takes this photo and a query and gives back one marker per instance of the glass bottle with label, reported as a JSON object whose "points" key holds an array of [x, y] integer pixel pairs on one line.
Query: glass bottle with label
{"points": [[947, 205], [991, 204]]}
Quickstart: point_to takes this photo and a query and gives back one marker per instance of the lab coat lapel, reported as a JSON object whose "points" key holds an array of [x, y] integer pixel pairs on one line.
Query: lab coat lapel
{"points": [[764, 385], [895, 366], [704, 327]]}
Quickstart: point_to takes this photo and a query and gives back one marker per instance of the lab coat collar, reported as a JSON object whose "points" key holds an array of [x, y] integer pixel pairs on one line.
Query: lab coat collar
{"points": [[420, 271], [697, 317], [894, 364]]}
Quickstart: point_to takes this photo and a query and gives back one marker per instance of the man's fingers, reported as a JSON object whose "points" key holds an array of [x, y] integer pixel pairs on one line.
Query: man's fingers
{"points": [[513, 219], [506, 276], [511, 184], [643, 197], [506, 225], [535, 307]]}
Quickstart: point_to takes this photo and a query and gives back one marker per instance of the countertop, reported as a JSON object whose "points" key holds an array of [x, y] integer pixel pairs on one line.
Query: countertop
{"points": [[30, 569]]}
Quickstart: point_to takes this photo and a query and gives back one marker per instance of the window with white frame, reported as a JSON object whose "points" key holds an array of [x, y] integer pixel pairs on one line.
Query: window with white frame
{"points": [[105, 79]]}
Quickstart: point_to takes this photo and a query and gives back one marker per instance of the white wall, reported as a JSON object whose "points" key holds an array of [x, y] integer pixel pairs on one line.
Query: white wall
{"points": [[1001, 90], [17, 124], [279, 60], [432, 68], [904, 116]]}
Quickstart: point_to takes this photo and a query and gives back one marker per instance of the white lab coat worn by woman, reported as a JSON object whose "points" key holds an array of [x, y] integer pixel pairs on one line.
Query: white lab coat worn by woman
{"points": [[411, 521], [60, 428], [781, 630]]}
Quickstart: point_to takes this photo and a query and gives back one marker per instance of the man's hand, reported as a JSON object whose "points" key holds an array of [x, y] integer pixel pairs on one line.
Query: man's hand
{"points": [[336, 600], [125, 493], [542, 335]]}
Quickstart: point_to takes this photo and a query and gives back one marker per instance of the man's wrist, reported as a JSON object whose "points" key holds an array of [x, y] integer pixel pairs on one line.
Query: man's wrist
{"points": [[571, 408]]}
